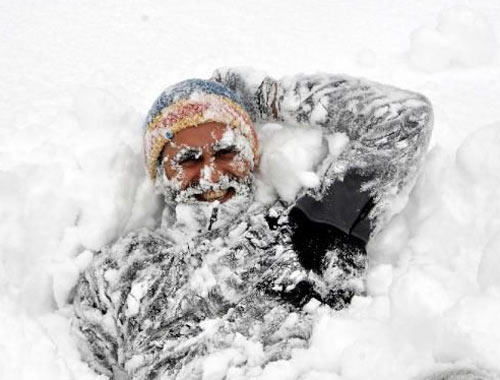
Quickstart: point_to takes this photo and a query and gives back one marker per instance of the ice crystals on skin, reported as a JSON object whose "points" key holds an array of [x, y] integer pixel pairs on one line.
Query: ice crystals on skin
{"points": [[231, 142], [201, 206], [187, 154]]}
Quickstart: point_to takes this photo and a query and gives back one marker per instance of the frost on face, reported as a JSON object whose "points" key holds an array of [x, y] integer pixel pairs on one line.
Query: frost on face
{"points": [[199, 215], [232, 140], [236, 137]]}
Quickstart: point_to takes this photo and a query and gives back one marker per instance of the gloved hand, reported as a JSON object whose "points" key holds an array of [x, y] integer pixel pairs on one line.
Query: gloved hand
{"points": [[257, 91]]}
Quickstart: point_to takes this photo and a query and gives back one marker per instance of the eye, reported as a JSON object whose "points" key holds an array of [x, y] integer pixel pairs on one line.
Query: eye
{"points": [[226, 153], [188, 161], [188, 158]]}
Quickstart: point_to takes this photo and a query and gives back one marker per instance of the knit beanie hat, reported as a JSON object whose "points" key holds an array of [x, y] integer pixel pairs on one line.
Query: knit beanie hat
{"points": [[190, 103]]}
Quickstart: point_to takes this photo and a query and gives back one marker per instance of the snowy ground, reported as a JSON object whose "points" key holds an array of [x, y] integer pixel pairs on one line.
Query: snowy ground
{"points": [[77, 79]]}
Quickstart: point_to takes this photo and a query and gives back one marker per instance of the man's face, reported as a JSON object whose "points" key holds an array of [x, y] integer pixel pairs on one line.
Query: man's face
{"points": [[204, 158]]}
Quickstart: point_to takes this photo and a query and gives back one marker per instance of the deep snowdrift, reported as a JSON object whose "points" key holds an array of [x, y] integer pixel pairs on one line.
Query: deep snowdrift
{"points": [[72, 178]]}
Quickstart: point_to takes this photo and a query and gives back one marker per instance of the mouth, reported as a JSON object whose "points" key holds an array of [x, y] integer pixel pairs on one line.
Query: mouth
{"points": [[216, 195]]}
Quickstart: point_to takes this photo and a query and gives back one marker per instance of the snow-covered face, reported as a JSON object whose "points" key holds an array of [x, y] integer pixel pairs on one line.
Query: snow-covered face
{"points": [[206, 163]]}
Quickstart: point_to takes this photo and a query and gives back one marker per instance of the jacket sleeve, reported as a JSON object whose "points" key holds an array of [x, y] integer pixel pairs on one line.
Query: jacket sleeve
{"points": [[368, 112], [115, 303], [94, 320], [380, 124], [376, 124], [378, 131]]}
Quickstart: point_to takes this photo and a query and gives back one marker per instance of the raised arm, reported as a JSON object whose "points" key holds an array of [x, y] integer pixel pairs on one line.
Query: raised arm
{"points": [[366, 111], [379, 131], [379, 120], [384, 126]]}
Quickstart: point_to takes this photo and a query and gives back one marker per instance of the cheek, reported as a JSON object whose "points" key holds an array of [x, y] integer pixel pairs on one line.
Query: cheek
{"points": [[240, 167], [170, 172], [175, 174]]}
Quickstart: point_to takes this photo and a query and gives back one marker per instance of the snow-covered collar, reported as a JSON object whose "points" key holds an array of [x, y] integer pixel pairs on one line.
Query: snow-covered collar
{"points": [[182, 221]]}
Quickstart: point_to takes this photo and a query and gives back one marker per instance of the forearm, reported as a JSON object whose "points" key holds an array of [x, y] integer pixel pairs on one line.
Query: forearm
{"points": [[360, 108], [376, 132], [380, 124]]}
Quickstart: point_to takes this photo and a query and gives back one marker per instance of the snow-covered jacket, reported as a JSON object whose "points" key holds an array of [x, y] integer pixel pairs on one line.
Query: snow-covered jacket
{"points": [[151, 307]]}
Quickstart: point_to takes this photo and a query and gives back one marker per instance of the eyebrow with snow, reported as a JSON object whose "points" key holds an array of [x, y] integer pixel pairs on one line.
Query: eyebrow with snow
{"points": [[188, 154], [225, 146]]}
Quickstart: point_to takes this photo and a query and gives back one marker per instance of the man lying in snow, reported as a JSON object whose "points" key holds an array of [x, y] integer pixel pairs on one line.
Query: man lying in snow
{"points": [[225, 271]]}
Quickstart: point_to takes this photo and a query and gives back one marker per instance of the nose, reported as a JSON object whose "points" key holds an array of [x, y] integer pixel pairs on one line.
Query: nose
{"points": [[210, 172]]}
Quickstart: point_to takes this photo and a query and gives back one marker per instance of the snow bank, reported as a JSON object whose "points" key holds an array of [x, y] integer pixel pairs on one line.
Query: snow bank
{"points": [[71, 179], [37, 347], [434, 293], [462, 37]]}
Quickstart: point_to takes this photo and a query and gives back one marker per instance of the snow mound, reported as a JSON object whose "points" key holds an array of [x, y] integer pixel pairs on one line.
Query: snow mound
{"points": [[38, 348], [462, 37], [71, 179], [489, 267], [289, 157], [433, 290], [367, 58], [479, 156]]}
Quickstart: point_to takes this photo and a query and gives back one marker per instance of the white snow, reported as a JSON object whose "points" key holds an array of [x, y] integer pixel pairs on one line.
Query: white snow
{"points": [[137, 292], [336, 143], [367, 58], [289, 158], [77, 80], [462, 37]]}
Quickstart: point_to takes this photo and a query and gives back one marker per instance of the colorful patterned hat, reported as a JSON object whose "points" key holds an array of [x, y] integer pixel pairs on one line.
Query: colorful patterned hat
{"points": [[187, 104]]}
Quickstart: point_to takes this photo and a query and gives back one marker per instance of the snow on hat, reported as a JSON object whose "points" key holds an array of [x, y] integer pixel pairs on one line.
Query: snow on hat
{"points": [[187, 104]]}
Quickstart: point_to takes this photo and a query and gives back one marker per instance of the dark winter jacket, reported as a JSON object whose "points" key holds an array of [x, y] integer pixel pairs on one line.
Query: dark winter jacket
{"points": [[149, 307]]}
